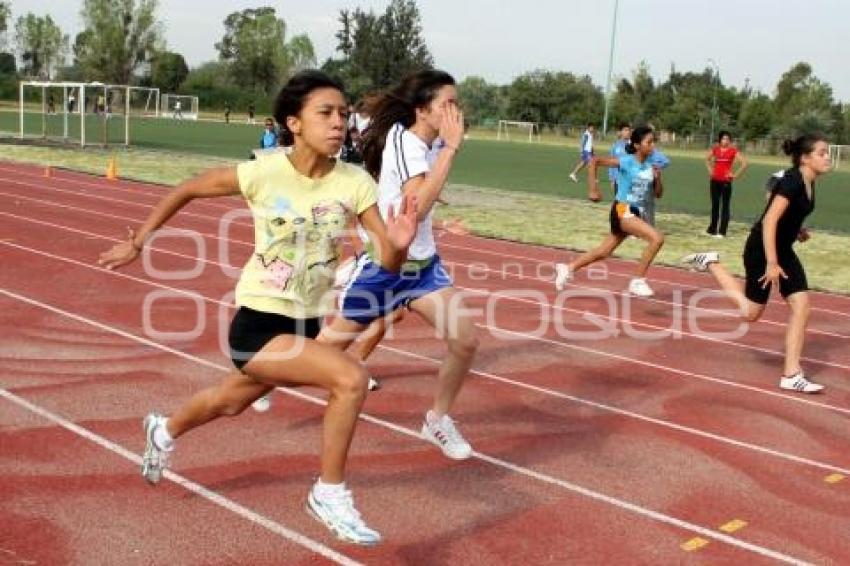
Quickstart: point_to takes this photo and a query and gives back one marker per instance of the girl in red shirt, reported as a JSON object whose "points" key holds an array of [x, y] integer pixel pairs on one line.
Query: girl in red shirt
{"points": [[719, 162]]}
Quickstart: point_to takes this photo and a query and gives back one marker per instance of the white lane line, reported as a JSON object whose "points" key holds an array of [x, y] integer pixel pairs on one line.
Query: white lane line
{"points": [[183, 482], [622, 504]]}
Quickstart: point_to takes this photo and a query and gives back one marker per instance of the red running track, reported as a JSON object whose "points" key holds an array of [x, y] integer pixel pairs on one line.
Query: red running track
{"points": [[616, 449]]}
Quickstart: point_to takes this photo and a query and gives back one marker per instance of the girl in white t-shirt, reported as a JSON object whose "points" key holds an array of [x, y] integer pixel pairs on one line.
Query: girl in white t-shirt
{"points": [[399, 151]]}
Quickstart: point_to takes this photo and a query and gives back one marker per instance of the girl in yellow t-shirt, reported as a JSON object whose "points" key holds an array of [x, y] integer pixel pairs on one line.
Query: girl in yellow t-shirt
{"points": [[301, 204]]}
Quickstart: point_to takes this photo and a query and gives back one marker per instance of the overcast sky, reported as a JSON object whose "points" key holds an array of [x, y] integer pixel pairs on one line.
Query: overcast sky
{"points": [[749, 39]]}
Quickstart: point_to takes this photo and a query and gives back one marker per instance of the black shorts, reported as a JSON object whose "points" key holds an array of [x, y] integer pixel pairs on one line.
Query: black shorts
{"points": [[755, 263], [620, 210], [250, 330]]}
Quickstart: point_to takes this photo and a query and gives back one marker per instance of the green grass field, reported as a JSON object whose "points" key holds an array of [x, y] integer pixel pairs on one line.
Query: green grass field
{"points": [[513, 166]]}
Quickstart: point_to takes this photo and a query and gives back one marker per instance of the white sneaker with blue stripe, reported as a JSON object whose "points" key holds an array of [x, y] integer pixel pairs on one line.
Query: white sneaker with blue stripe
{"points": [[799, 383], [155, 459], [338, 514]]}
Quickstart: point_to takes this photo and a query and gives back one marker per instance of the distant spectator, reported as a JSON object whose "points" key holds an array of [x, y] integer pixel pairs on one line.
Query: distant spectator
{"points": [[251, 113], [226, 112]]}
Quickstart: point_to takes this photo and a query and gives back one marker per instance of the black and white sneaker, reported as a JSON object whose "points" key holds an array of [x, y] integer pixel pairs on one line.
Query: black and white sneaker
{"points": [[799, 383], [701, 261]]}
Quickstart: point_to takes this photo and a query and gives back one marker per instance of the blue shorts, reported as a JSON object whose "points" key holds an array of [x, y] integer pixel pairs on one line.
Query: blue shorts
{"points": [[374, 292], [586, 156]]}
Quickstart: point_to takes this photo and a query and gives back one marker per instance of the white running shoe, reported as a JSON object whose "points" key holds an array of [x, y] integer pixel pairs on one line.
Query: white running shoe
{"points": [[263, 404], [338, 514], [639, 287], [445, 434], [798, 382], [573, 178], [718, 236], [155, 459], [563, 275], [701, 261], [374, 384]]}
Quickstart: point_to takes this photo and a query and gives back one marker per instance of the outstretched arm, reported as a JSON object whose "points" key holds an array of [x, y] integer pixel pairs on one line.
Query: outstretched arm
{"points": [[592, 181], [212, 183]]}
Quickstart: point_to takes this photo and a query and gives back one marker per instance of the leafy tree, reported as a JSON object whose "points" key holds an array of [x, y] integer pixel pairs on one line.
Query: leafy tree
{"points": [[255, 47], [378, 51], [757, 117], [554, 98], [41, 45], [5, 16], [168, 71], [481, 101], [119, 38], [7, 64]]}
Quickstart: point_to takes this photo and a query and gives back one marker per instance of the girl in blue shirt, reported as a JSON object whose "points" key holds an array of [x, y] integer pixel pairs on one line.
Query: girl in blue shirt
{"points": [[638, 181]]}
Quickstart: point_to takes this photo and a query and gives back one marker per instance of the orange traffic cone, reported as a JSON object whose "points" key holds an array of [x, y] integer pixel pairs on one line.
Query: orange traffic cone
{"points": [[48, 172], [112, 170]]}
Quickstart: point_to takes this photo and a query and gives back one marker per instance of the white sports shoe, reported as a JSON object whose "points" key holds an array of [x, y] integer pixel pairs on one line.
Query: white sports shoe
{"points": [[155, 459], [701, 261], [639, 287], [445, 434], [374, 384], [573, 178], [563, 275], [338, 514], [798, 382], [262, 404]]}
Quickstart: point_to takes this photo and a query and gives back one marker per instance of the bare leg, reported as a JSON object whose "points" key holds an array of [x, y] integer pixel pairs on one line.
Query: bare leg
{"points": [[734, 289], [289, 360], [654, 239], [445, 310], [796, 331], [373, 335], [603, 250]]}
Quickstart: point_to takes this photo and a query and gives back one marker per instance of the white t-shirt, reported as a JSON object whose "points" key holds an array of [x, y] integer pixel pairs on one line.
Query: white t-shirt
{"points": [[361, 122], [587, 142], [406, 156]]}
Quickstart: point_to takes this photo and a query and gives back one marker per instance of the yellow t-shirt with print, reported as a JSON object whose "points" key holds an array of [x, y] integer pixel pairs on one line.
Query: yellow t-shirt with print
{"points": [[298, 222]]}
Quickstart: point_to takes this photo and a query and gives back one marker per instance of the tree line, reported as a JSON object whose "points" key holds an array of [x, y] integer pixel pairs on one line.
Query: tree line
{"points": [[122, 42]]}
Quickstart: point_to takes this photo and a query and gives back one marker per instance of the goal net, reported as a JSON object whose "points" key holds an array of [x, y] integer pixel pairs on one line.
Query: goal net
{"points": [[839, 154], [179, 107], [520, 130], [82, 113]]}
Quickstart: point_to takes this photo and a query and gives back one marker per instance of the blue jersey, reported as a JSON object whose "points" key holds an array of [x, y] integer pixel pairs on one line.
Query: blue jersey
{"points": [[618, 150], [635, 181], [269, 139]]}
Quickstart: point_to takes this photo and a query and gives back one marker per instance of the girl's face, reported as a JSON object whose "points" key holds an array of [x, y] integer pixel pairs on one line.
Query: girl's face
{"points": [[646, 145], [320, 125], [432, 115], [725, 141], [818, 160]]}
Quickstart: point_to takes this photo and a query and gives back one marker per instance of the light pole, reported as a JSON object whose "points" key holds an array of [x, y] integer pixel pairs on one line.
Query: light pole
{"points": [[716, 67], [610, 69]]}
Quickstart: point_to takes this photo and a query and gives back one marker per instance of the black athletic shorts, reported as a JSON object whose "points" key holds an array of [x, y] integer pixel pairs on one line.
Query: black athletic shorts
{"points": [[755, 263], [620, 210], [250, 330]]}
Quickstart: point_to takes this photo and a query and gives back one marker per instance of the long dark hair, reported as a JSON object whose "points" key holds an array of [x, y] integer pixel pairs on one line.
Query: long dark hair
{"points": [[637, 137], [290, 100], [801, 146], [399, 106]]}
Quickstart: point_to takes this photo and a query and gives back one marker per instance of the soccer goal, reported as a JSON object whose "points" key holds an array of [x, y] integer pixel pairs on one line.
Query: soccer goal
{"points": [[82, 113], [838, 154], [521, 130], [179, 107]]}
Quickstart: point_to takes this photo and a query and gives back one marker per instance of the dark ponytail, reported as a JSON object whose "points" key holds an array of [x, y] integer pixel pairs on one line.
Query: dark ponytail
{"points": [[803, 145], [290, 100], [399, 106], [638, 135]]}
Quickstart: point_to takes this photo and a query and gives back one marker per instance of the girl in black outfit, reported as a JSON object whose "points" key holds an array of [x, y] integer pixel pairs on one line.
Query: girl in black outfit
{"points": [[769, 257]]}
